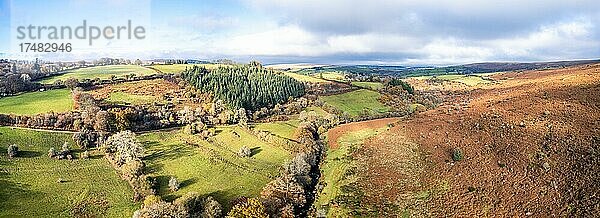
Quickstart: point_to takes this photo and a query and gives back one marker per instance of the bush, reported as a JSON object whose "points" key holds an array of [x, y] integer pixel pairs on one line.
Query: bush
{"points": [[52, 153], [13, 150], [212, 208], [124, 147], [132, 169], [151, 199], [173, 184], [457, 154], [84, 155], [161, 209], [244, 152], [252, 208], [191, 202], [65, 147]]}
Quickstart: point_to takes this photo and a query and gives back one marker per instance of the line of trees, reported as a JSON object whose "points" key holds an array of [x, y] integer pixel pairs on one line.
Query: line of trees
{"points": [[251, 86], [293, 192]]}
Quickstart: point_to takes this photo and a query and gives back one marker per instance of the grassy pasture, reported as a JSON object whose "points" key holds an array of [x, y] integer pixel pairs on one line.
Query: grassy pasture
{"points": [[356, 101], [336, 167], [283, 129], [286, 129], [369, 85], [333, 75], [122, 97], [29, 183], [212, 167], [102, 72], [58, 100], [305, 78], [470, 80]]}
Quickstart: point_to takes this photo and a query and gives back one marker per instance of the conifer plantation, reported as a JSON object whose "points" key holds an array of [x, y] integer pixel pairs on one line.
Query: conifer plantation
{"points": [[249, 87]]}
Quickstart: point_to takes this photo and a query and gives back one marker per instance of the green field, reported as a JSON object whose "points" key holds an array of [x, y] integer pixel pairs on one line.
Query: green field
{"points": [[178, 68], [58, 100], [283, 129], [122, 97], [369, 85], [286, 129], [336, 169], [331, 76], [470, 80], [212, 168], [305, 78], [356, 101], [102, 72], [29, 183]]}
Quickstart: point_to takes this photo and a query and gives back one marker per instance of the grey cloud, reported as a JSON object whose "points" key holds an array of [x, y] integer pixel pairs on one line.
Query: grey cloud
{"points": [[464, 18]]}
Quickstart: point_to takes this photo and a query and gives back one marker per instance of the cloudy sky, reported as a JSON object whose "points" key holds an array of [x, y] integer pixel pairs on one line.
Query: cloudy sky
{"points": [[409, 32]]}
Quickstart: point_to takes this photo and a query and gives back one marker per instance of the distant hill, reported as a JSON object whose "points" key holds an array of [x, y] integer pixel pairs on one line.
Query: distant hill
{"points": [[406, 71]]}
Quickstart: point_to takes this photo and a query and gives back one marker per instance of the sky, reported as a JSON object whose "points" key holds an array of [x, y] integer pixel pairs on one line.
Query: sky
{"points": [[407, 32]]}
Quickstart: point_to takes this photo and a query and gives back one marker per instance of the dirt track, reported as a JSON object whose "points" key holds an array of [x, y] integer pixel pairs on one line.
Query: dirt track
{"points": [[531, 145]]}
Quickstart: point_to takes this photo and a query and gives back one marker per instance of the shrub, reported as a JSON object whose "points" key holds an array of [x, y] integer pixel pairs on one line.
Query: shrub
{"points": [[13, 150], [173, 184], [252, 208], [65, 147], [283, 191], [52, 153], [212, 208], [151, 199], [132, 169], [124, 147], [84, 155], [191, 202], [244, 151], [161, 209], [457, 154]]}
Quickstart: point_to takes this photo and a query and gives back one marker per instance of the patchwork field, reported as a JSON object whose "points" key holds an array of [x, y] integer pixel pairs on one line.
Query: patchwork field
{"points": [[305, 78], [356, 101], [469, 80], [212, 167], [102, 72], [58, 100], [369, 85], [337, 76], [30, 182]]}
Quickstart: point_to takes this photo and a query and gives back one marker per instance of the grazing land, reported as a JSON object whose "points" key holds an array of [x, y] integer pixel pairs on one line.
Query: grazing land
{"points": [[212, 167], [469, 80], [102, 72], [339, 165], [356, 102], [30, 182], [369, 85], [58, 100], [508, 144], [305, 78]]}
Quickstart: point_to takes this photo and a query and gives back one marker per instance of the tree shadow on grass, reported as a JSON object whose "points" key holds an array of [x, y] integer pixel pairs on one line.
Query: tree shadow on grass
{"points": [[187, 182], [255, 151], [12, 192], [28, 154], [167, 152]]}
